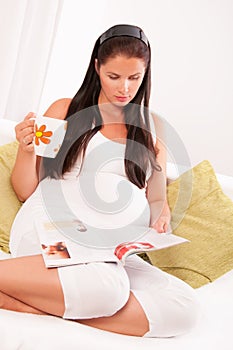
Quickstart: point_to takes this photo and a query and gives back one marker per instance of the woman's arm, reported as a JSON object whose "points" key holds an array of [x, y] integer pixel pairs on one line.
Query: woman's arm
{"points": [[157, 184], [24, 176]]}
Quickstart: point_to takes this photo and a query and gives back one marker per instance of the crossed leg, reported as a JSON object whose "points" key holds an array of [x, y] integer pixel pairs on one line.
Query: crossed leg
{"points": [[28, 286]]}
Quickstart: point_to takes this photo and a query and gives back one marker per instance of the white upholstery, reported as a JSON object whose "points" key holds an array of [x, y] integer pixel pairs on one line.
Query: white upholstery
{"points": [[7, 132]]}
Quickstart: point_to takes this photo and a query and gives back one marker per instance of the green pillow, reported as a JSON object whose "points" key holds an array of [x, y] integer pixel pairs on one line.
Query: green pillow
{"points": [[203, 214], [9, 203]]}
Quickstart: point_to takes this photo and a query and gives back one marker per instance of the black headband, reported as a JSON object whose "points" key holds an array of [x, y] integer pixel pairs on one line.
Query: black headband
{"points": [[124, 30]]}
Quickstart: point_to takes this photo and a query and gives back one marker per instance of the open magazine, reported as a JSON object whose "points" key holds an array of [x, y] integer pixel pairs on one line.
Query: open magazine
{"points": [[59, 250]]}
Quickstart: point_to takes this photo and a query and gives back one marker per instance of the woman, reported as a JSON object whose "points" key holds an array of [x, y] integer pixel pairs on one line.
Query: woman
{"points": [[135, 299]]}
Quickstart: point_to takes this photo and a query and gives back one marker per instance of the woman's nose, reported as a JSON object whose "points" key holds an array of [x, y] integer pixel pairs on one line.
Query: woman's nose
{"points": [[124, 86]]}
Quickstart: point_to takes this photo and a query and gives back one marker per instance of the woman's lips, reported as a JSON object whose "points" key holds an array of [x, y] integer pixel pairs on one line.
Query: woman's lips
{"points": [[122, 98]]}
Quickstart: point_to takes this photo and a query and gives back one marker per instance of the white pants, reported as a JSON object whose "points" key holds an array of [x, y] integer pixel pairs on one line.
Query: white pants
{"points": [[101, 289]]}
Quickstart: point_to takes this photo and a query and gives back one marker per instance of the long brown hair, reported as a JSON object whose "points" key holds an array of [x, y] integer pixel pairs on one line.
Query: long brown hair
{"points": [[84, 117]]}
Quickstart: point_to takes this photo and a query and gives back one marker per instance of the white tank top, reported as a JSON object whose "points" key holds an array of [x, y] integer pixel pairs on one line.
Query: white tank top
{"points": [[102, 155]]}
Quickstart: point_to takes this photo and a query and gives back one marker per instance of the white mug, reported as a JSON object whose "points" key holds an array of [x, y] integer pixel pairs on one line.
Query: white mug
{"points": [[49, 135]]}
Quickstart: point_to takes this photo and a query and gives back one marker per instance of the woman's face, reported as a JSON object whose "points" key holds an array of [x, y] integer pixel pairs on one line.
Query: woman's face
{"points": [[120, 79]]}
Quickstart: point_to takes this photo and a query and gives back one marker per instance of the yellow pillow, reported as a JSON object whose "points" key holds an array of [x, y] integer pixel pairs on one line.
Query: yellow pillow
{"points": [[9, 203], [202, 213]]}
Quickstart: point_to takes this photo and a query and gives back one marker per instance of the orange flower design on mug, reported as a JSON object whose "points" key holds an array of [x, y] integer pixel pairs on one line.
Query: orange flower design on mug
{"points": [[42, 135]]}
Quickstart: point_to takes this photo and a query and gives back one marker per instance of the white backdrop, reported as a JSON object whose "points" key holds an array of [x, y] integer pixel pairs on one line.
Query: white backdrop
{"points": [[27, 32], [192, 55]]}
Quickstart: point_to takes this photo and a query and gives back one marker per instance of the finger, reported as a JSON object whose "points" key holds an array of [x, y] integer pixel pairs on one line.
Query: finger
{"points": [[30, 115], [165, 227], [26, 144], [25, 133], [21, 127], [27, 121], [27, 139], [159, 226], [28, 131]]}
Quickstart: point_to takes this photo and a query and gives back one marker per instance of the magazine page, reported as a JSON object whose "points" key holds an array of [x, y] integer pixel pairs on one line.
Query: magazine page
{"points": [[58, 250], [152, 240]]}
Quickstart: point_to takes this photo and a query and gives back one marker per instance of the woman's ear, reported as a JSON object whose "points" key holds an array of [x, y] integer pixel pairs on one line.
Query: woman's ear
{"points": [[96, 66]]}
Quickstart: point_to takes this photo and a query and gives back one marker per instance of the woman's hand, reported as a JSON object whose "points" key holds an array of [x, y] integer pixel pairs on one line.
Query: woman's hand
{"points": [[160, 222], [25, 182], [25, 133]]}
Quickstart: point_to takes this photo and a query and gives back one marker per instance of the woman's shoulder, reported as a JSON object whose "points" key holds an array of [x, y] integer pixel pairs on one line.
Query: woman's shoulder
{"points": [[154, 116], [157, 122], [58, 109], [158, 126]]}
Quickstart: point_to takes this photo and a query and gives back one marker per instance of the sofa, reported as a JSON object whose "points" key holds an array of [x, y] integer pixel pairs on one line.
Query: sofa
{"points": [[212, 331]]}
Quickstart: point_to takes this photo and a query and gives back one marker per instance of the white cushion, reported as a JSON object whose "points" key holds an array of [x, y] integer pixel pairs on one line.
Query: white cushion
{"points": [[7, 131]]}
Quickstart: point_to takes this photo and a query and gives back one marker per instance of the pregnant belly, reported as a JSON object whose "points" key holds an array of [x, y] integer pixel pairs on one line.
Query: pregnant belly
{"points": [[111, 208], [107, 201], [101, 200]]}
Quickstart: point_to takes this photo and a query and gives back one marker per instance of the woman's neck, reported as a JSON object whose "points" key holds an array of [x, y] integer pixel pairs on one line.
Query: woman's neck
{"points": [[111, 114], [114, 126]]}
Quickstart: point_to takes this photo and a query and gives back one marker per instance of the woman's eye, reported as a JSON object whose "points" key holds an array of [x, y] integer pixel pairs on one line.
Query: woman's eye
{"points": [[134, 78], [114, 77]]}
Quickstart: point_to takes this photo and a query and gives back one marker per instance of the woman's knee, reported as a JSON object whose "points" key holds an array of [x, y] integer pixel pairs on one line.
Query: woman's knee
{"points": [[170, 311], [114, 293], [93, 290], [184, 312]]}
